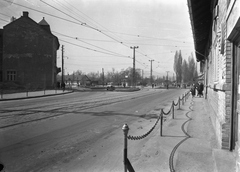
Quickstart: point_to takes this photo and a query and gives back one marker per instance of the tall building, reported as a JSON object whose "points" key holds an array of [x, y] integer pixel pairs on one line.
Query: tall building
{"points": [[29, 53]]}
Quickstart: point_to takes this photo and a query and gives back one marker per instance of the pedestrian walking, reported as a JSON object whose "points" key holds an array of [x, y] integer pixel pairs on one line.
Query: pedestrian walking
{"points": [[193, 90], [200, 89], [63, 86]]}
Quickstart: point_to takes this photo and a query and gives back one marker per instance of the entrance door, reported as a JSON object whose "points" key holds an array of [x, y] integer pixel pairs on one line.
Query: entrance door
{"points": [[235, 130]]}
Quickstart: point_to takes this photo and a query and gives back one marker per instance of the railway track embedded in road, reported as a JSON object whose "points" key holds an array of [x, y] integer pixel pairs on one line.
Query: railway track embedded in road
{"points": [[19, 115]]}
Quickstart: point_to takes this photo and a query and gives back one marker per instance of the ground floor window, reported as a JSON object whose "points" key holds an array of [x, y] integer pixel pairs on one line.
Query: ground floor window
{"points": [[11, 75]]}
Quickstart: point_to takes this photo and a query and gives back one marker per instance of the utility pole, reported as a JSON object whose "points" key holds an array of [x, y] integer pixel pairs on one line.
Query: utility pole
{"points": [[151, 72], [167, 79], [62, 64], [133, 77], [103, 75]]}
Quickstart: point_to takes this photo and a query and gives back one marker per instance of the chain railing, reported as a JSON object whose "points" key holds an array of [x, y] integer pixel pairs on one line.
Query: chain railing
{"points": [[127, 164], [144, 135]]}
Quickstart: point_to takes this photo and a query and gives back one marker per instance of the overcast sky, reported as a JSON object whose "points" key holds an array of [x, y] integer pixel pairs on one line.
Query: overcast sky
{"points": [[98, 34]]}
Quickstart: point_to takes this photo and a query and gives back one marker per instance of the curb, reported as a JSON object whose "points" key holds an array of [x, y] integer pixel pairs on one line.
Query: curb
{"points": [[31, 97]]}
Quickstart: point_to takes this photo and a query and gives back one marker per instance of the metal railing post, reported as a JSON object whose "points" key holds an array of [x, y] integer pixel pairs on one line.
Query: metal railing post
{"points": [[182, 99], [125, 129], [179, 102], [173, 109], [161, 122]]}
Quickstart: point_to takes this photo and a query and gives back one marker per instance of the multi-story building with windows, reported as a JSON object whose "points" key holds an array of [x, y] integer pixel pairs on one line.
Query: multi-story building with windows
{"points": [[216, 31], [29, 51]]}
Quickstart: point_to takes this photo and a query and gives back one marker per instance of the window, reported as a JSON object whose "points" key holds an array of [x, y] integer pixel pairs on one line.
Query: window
{"points": [[11, 75], [215, 63]]}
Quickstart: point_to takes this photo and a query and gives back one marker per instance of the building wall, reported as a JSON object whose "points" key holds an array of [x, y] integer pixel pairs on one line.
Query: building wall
{"points": [[1, 54], [31, 52], [219, 77], [233, 24]]}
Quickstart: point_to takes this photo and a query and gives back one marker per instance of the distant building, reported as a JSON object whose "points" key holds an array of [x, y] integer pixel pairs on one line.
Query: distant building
{"points": [[29, 53]]}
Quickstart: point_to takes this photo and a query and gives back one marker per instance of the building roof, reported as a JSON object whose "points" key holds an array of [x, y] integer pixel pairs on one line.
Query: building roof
{"points": [[45, 25], [201, 21], [43, 22]]}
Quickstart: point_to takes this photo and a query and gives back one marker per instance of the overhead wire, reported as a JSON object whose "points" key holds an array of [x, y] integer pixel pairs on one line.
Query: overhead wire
{"points": [[94, 49], [85, 24], [81, 23], [89, 44], [4, 20], [45, 13], [5, 15], [97, 24], [71, 10], [97, 30], [142, 36]]}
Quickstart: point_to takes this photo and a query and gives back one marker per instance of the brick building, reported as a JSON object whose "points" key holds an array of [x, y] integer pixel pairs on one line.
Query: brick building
{"points": [[1, 53], [215, 25], [29, 53]]}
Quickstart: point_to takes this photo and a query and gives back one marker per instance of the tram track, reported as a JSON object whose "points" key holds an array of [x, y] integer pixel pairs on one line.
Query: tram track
{"points": [[37, 113]]}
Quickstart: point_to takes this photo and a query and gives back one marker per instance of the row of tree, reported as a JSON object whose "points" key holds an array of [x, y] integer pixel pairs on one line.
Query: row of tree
{"points": [[185, 70], [115, 77]]}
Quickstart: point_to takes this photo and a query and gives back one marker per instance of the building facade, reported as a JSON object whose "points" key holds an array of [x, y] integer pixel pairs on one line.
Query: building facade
{"points": [[216, 31], [29, 53], [1, 54]]}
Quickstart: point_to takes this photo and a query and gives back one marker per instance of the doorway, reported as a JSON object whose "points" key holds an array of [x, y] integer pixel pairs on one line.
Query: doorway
{"points": [[235, 105]]}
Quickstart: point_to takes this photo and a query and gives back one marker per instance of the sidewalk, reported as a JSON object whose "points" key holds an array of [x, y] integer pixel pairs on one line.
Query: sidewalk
{"points": [[197, 151], [32, 94], [188, 144]]}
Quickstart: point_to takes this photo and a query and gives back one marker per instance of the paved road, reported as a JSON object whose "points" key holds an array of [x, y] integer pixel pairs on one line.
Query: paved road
{"points": [[74, 132]]}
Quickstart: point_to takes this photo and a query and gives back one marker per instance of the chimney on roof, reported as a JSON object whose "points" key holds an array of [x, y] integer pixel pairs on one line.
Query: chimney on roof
{"points": [[25, 14]]}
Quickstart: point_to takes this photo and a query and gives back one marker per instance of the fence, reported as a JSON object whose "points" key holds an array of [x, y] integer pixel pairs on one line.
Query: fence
{"points": [[125, 128], [29, 93]]}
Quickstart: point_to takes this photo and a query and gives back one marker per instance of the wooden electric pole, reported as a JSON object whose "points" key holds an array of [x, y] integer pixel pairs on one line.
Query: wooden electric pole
{"points": [[134, 77], [151, 79], [103, 75], [62, 64]]}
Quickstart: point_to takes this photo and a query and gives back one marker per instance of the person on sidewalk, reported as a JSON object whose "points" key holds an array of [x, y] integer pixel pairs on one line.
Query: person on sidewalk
{"points": [[63, 86], [193, 90], [200, 89]]}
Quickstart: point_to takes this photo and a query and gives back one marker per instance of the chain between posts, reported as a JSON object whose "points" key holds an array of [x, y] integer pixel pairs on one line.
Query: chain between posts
{"points": [[159, 117], [126, 162], [144, 135]]}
